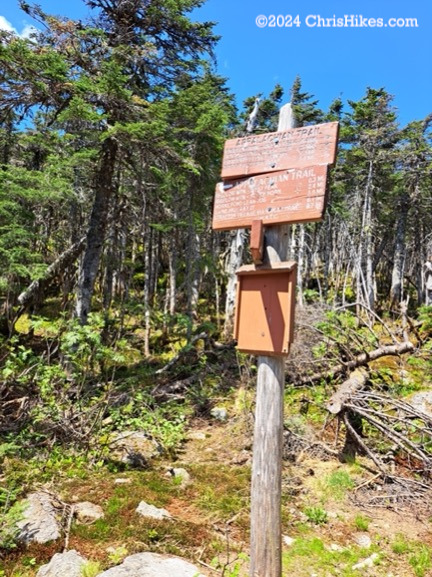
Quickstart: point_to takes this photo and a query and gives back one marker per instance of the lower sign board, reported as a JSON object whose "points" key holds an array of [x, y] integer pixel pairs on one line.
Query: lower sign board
{"points": [[264, 322], [288, 196]]}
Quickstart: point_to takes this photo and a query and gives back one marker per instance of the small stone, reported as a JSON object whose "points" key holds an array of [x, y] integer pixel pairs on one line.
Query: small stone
{"points": [[363, 540], [366, 563], [122, 481], [289, 541], [196, 436], [181, 476], [335, 547], [242, 458], [68, 564], [151, 511], [87, 513], [219, 413]]}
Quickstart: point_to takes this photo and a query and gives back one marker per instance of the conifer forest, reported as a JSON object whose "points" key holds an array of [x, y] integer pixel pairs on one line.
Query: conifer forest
{"points": [[117, 304]]}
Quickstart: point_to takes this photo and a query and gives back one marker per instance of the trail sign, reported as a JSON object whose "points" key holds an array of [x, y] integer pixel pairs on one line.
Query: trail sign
{"points": [[275, 151], [293, 195]]}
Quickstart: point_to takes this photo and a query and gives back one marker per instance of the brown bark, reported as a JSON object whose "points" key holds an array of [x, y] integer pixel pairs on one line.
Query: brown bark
{"points": [[104, 187]]}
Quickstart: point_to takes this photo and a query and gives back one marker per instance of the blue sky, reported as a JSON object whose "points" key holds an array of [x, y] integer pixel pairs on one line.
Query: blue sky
{"points": [[332, 61]]}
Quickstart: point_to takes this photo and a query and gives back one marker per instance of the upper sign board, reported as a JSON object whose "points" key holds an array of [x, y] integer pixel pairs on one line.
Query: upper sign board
{"points": [[275, 151], [295, 195]]}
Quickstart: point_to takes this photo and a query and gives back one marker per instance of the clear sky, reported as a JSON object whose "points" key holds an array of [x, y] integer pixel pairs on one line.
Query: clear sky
{"points": [[332, 60]]}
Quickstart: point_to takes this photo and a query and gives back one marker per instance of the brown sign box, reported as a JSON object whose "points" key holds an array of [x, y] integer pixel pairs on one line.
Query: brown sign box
{"points": [[274, 151], [287, 196], [264, 323]]}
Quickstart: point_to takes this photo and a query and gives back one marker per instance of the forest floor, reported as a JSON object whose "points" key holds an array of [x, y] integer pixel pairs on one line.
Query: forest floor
{"points": [[329, 527], [338, 518]]}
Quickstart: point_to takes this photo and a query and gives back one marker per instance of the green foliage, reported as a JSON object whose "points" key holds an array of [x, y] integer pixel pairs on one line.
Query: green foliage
{"points": [[305, 109], [400, 545], [118, 554], [90, 569], [10, 515], [316, 515], [420, 555], [337, 484], [320, 559], [361, 522], [230, 568], [421, 560], [345, 335]]}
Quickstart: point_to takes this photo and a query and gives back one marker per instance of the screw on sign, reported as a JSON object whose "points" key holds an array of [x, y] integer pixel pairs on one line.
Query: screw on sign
{"points": [[293, 195], [274, 151]]}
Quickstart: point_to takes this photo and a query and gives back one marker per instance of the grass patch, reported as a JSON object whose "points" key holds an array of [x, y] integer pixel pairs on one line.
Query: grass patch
{"points": [[320, 559], [361, 522], [421, 561], [316, 515], [337, 484], [223, 491]]}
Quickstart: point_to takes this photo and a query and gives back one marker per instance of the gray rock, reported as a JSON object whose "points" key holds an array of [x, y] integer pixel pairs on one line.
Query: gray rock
{"points": [[363, 540], [334, 547], [219, 413], [153, 565], [422, 402], [147, 510], [179, 475], [287, 540], [133, 448], [40, 522], [63, 565], [366, 563], [87, 513]]}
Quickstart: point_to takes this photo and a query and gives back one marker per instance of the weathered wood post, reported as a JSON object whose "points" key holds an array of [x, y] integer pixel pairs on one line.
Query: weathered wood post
{"points": [[266, 531], [270, 181]]}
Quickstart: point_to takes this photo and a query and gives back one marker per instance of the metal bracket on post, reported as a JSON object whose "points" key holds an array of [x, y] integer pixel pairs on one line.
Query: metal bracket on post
{"points": [[257, 241]]}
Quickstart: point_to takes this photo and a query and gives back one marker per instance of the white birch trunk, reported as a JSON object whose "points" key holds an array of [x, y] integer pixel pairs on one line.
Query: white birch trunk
{"points": [[235, 259]]}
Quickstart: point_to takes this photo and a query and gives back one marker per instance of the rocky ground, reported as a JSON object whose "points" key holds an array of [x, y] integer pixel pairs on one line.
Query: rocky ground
{"points": [[188, 515]]}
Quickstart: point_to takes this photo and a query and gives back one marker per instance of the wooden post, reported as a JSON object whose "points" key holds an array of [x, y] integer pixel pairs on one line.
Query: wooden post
{"points": [[266, 531], [257, 241]]}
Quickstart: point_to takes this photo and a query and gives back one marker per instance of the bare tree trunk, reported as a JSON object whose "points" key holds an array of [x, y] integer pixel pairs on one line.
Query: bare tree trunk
{"points": [[370, 280], [147, 287], [235, 260], [193, 276], [104, 185], [300, 264], [428, 281], [35, 290], [172, 266], [396, 292]]}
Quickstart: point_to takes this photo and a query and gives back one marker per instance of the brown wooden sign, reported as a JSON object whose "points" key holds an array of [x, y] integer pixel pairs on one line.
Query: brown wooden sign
{"points": [[295, 195], [264, 323], [275, 151]]}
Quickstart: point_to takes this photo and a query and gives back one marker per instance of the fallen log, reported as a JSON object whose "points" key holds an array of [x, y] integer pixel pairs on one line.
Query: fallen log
{"points": [[352, 385], [360, 361], [37, 287]]}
